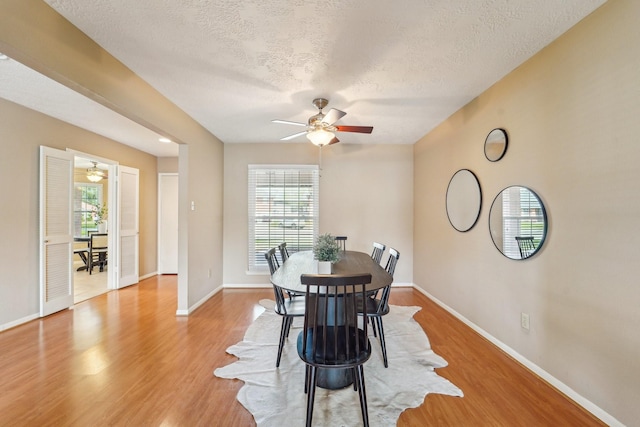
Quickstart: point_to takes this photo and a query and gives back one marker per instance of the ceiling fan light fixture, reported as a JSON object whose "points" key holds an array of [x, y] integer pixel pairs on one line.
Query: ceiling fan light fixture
{"points": [[95, 174], [320, 137]]}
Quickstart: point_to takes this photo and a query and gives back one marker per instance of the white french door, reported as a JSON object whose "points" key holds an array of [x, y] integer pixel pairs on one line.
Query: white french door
{"points": [[128, 225], [56, 230]]}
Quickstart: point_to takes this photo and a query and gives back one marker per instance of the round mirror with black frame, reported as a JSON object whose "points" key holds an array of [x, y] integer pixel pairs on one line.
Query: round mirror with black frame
{"points": [[518, 222], [464, 200], [495, 145]]}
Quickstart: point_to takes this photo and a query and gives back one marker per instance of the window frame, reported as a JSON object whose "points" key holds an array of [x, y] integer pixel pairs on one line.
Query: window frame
{"points": [[78, 188], [280, 219]]}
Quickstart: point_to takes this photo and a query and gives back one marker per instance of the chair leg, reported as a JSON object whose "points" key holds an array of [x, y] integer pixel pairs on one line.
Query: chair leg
{"points": [[373, 326], [383, 344], [363, 395], [289, 322], [355, 379], [283, 332], [306, 379], [311, 394]]}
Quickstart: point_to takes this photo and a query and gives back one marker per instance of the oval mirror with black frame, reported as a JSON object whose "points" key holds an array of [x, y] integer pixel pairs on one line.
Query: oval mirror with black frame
{"points": [[518, 222], [464, 200], [495, 145]]}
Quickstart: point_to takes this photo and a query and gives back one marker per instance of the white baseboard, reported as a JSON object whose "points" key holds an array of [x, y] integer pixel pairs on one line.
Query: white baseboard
{"points": [[18, 322], [562, 387], [247, 286], [146, 276], [199, 303]]}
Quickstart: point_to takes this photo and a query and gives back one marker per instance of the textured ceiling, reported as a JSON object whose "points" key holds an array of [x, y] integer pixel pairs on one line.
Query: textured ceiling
{"points": [[402, 67]]}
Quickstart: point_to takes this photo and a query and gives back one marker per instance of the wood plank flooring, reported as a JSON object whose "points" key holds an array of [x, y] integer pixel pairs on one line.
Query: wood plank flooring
{"points": [[125, 359]]}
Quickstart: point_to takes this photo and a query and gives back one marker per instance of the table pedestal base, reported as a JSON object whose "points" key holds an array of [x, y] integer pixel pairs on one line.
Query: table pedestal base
{"points": [[334, 379]]}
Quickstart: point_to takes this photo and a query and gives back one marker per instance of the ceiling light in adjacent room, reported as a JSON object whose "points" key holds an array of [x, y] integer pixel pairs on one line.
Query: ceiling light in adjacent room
{"points": [[95, 174], [165, 140]]}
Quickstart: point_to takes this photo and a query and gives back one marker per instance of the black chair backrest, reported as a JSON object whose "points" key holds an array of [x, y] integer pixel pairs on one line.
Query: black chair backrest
{"points": [[272, 260], [392, 261], [331, 332], [378, 250], [284, 252], [526, 246], [342, 242], [394, 255]]}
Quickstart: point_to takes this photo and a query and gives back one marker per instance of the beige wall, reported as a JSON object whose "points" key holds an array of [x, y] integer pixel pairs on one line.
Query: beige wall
{"points": [[34, 34], [167, 165], [21, 134], [366, 194], [572, 114]]}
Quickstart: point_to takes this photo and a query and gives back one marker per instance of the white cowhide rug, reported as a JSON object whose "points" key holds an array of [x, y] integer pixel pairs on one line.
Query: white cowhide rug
{"points": [[276, 397]]}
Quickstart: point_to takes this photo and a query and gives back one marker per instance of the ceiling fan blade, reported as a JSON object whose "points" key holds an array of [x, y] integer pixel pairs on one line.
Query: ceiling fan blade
{"points": [[287, 122], [333, 116], [295, 135], [333, 141], [359, 129]]}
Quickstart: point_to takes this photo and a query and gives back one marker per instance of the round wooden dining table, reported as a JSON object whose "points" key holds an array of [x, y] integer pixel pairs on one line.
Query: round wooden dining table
{"points": [[351, 262]]}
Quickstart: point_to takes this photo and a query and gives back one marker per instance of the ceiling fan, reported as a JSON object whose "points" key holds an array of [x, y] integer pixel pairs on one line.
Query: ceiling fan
{"points": [[321, 127]]}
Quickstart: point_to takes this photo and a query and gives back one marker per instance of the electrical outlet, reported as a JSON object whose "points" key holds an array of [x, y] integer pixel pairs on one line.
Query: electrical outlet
{"points": [[524, 321]]}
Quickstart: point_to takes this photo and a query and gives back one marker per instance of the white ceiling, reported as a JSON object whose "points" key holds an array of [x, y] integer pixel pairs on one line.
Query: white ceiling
{"points": [[402, 67]]}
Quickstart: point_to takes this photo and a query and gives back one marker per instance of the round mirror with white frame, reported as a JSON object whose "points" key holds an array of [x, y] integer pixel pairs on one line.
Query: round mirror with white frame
{"points": [[464, 200], [518, 222]]}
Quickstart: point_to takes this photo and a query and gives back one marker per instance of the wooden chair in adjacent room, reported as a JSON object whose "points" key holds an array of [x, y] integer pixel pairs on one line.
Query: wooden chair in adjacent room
{"points": [[98, 247], [288, 308], [331, 337], [374, 308]]}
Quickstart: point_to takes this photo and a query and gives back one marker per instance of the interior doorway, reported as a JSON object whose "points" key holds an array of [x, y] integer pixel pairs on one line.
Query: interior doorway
{"points": [[90, 216]]}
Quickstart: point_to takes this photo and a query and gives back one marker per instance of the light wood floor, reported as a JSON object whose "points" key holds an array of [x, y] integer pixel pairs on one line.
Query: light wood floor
{"points": [[125, 359], [86, 286]]}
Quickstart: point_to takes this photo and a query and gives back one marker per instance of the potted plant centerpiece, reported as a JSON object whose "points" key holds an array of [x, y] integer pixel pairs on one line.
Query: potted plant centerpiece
{"points": [[327, 251], [100, 214]]}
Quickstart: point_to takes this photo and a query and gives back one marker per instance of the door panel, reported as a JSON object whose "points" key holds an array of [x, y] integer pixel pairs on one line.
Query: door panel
{"points": [[56, 230], [128, 223]]}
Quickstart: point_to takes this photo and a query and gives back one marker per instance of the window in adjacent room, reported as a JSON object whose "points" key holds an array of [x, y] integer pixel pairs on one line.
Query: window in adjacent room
{"points": [[86, 201], [283, 207]]}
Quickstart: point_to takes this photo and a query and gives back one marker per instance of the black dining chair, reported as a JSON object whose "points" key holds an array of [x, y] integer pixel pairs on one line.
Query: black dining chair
{"points": [[373, 308], [284, 255], [272, 260], [378, 250], [284, 252], [98, 247], [287, 308], [342, 242], [331, 337], [526, 246]]}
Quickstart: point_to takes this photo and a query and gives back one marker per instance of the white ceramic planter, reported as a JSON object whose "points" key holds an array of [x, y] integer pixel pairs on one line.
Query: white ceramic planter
{"points": [[324, 267]]}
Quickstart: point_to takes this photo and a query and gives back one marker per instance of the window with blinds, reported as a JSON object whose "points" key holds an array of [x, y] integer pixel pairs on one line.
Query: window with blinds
{"points": [[283, 207], [87, 200]]}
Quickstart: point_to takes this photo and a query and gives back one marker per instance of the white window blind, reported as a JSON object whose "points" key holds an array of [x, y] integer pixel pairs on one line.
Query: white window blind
{"points": [[283, 207]]}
